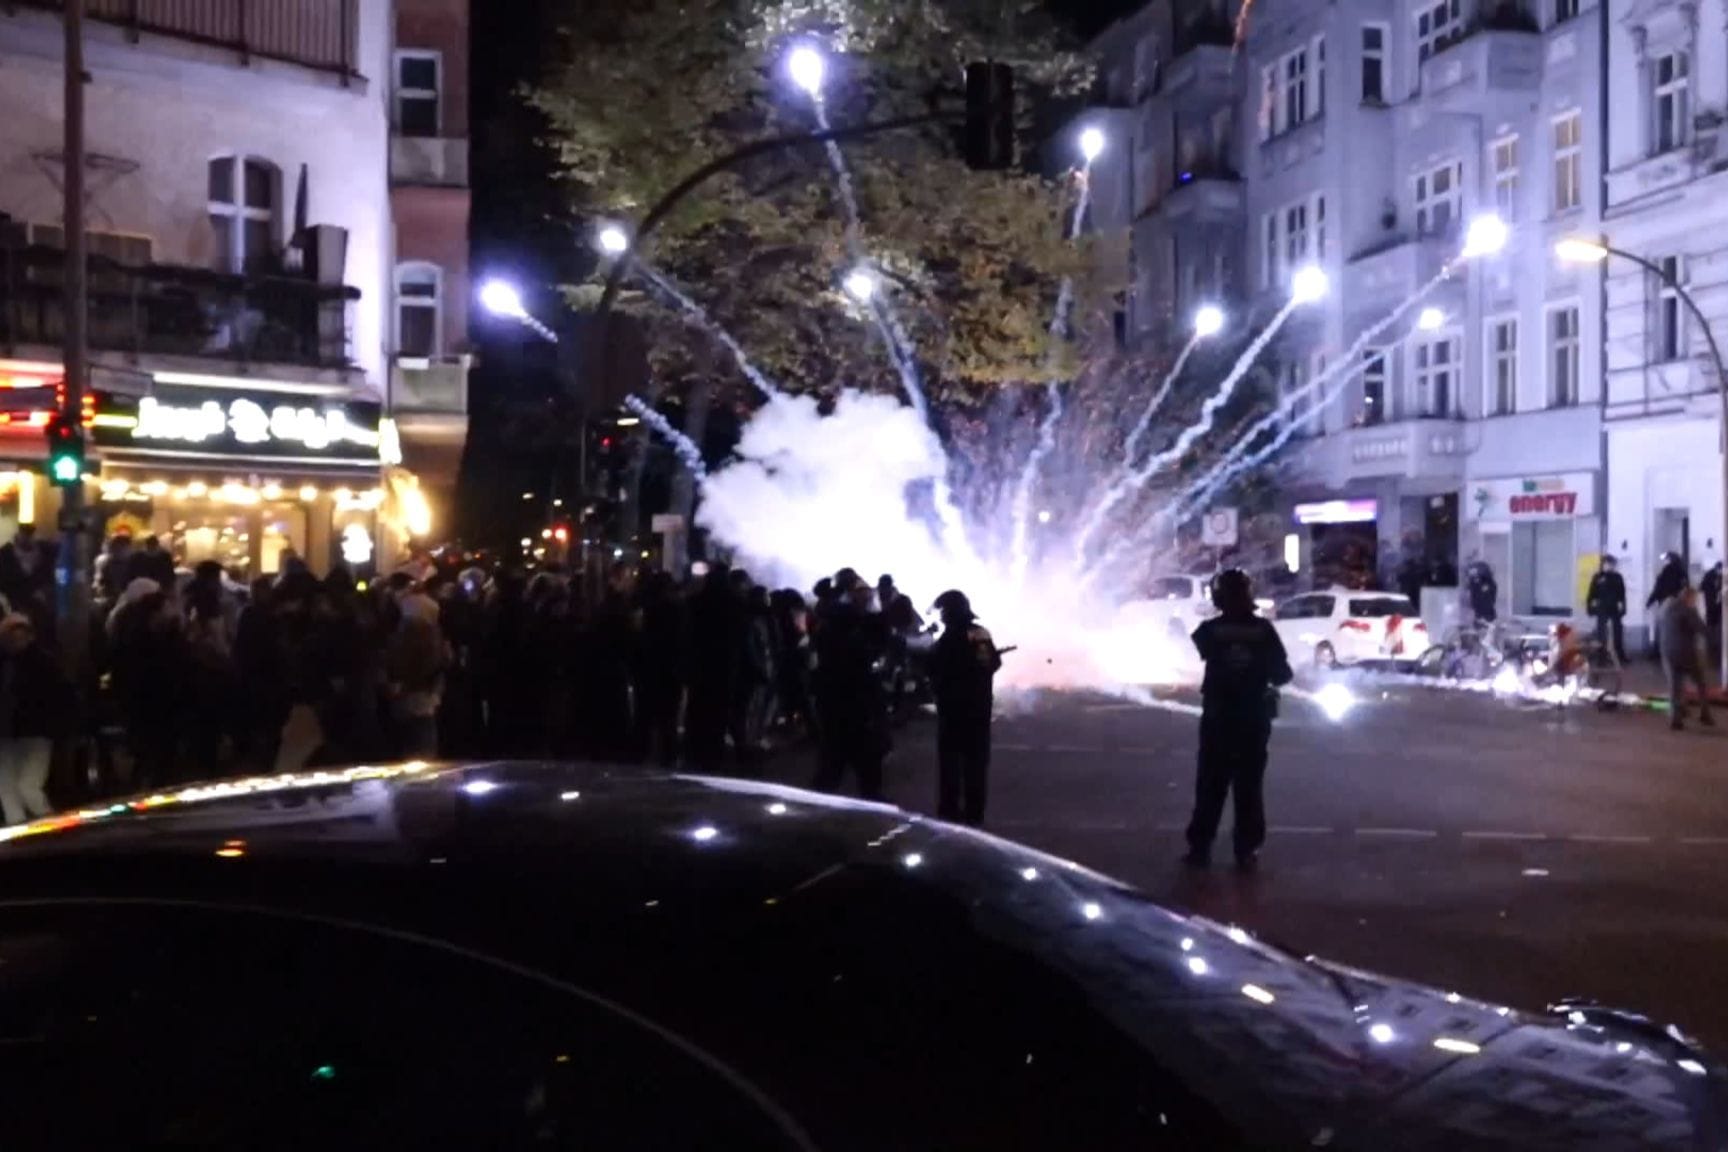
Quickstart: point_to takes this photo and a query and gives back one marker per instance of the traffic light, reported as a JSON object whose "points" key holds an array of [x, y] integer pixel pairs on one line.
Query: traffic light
{"points": [[65, 452], [989, 134]]}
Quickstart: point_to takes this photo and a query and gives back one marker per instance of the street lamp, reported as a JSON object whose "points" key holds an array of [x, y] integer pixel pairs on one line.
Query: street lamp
{"points": [[807, 68], [1486, 236], [501, 299], [1430, 319], [1208, 321], [613, 240], [861, 285], [1308, 284], [1586, 250], [1091, 144]]}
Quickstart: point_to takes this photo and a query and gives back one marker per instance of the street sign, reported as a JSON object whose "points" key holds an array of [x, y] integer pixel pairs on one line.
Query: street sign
{"points": [[1218, 528]]}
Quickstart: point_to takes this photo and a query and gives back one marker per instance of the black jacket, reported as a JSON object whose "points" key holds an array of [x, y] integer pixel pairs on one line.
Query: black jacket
{"points": [[963, 664], [1607, 596], [1245, 660], [41, 699], [1669, 582]]}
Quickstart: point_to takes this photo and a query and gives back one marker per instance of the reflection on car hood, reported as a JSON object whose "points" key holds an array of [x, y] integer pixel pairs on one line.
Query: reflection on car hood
{"points": [[1312, 1054]]}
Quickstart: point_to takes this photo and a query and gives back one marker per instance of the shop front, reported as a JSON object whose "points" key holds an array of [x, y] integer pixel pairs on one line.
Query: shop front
{"points": [[1541, 536], [248, 480]]}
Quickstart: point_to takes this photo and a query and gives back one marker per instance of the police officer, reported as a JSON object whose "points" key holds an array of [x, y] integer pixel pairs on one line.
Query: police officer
{"points": [[963, 662], [1245, 661], [851, 644]]}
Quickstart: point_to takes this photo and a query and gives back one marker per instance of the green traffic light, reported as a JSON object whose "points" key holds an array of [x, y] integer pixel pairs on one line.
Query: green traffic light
{"points": [[65, 469], [324, 1072]]}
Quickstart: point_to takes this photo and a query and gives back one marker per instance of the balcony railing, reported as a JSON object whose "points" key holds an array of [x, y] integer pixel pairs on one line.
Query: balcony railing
{"points": [[316, 34], [171, 310]]}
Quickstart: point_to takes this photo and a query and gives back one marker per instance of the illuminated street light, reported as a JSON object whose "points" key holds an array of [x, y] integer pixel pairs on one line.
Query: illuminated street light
{"points": [[1485, 236], [1091, 143], [1581, 250], [1430, 319], [1209, 320], [502, 299], [807, 68], [1308, 284], [861, 284], [613, 240]]}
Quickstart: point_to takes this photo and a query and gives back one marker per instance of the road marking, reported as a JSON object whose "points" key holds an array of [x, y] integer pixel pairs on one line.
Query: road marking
{"points": [[1013, 747], [1505, 836], [1594, 838], [1142, 750], [1072, 748], [1301, 830], [1713, 841], [1412, 833]]}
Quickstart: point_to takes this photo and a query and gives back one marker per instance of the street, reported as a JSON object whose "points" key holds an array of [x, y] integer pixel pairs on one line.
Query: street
{"points": [[1512, 851]]}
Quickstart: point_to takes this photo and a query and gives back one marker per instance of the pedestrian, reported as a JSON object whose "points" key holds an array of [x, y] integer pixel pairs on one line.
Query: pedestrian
{"points": [[660, 672], [713, 662], [1711, 589], [1606, 603], [760, 675], [1483, 590], [1670, 579], [414, 662], [1245, 662], [1682, 640], [963, 664], [36, 708], [850, 647]]}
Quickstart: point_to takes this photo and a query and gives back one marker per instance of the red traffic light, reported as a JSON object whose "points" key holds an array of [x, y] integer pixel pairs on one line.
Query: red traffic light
{"points": [[561, 534]]}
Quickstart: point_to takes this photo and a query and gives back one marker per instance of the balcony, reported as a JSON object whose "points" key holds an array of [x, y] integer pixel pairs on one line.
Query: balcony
{"points": [[1201, 71], [1398, 266], [429, 160], [171, 310], [1210, 189], [1500, 55], [317, 34], [1412, 448], [430, 387]]}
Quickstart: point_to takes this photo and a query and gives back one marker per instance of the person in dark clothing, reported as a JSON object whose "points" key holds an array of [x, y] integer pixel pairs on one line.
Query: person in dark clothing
{"points": [[1606, 603], [37, 707], [850, 645], [1410, 577], [150, 675], [660, 670], [963, 664], [152, 562], [1245, 662], [715, 625], [512, 690], [259, 664], [612, 660], [760, 674], [1710, 588], [1681, 629], [1483, 591], [1670, 580]]}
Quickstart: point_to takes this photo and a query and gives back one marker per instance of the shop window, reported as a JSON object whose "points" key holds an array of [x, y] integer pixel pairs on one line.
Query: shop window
{"points": [[1543, 568]]}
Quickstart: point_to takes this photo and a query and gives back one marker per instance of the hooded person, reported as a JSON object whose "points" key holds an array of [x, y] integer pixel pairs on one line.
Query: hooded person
{"points": [[415, 657], [963, 664]]}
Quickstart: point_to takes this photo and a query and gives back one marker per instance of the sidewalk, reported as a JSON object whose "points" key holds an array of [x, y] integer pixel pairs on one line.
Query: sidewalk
{"points": [[1642, 676]]}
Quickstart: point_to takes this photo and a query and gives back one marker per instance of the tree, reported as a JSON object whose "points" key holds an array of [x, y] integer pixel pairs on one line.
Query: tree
{"points": [[640, 92]]}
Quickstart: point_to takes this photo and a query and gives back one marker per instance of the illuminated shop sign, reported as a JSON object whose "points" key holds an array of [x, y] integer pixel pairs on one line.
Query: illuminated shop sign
{"points": [[266, 425], [1337, 512]]}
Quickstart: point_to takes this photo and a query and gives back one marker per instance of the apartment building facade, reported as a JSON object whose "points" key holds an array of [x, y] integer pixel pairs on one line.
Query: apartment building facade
{"points": [[1362, 136], [1667, 203], [245, 317]]}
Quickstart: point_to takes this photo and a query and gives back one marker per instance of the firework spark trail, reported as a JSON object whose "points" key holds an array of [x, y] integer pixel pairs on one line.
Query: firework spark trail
{"points": [[1340, 371], [711, 326], [681, 444], [900, 350], [1114, 494], [1020, 550]]}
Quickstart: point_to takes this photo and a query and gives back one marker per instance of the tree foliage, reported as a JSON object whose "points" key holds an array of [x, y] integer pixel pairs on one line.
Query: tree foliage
{"points": [[640, 92]]}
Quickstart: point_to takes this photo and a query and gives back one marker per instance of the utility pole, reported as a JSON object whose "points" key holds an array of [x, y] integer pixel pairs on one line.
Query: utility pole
{"points": [[72, 565]]}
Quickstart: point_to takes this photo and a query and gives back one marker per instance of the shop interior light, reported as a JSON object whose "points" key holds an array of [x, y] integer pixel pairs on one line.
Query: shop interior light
{"points": [[271, 491], [197, 488], [156, 488], [308, 493]]}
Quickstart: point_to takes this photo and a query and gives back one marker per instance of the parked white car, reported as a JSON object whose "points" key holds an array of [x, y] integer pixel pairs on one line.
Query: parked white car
{"points": [[1173, 606], [1344, 626]]}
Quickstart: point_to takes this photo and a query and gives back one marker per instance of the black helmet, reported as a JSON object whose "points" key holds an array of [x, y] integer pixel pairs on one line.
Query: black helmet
{"points": [[954, 603], [1232, 589]]}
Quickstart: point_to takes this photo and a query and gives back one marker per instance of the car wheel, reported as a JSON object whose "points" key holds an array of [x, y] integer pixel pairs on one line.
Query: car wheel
{"points": [[1324, 657]]}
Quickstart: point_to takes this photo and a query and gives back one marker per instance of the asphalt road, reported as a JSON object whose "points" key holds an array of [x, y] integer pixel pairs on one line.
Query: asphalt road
{"points": [[1519, 853]]}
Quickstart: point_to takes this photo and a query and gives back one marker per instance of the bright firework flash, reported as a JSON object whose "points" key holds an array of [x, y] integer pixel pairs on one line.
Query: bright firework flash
{"points": [[681, 444], [707, 323]]}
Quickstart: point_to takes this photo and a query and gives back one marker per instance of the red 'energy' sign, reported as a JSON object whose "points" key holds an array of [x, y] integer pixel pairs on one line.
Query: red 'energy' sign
{"points": [[1544, 504]]}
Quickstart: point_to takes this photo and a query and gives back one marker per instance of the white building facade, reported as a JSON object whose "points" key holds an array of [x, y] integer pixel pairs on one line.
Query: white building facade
{"points": [[239, 208], [1667, 186], [1365, 135]]}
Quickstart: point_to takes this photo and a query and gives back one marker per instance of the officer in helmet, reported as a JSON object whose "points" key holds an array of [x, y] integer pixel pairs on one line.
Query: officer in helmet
{"points": [[1245, 663], [963, 662]]}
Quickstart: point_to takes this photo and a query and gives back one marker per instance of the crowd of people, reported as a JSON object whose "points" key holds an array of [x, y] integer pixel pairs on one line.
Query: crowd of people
{"points": [[194, 676]]}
